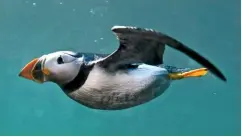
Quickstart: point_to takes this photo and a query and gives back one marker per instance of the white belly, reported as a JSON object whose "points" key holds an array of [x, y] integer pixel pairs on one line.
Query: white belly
{"points": [[122, 89]]}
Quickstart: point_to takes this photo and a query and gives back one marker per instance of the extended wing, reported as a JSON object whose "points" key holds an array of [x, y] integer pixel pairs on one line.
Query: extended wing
{"points": [[139, 45]]}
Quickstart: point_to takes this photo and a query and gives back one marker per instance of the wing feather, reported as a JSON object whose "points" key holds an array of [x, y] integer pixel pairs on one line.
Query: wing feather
{"points": [[138, 45]]}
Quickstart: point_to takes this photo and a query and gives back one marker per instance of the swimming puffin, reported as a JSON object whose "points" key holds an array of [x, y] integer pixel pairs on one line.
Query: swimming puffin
{"points": [[130, 76]]}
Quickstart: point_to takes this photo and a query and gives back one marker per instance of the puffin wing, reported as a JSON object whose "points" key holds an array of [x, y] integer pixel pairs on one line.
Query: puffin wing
{"points": [[138, 45]]}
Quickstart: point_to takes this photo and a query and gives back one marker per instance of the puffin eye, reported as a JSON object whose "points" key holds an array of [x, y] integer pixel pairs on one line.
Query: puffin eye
{"points": [[60, 60]]}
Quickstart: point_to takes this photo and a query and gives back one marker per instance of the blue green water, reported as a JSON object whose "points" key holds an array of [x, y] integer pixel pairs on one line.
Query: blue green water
{"points": [[203, 106]]}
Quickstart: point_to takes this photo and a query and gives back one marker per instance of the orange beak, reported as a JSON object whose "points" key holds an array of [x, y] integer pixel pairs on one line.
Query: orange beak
{"points": [[34, 71], [26, 72]]}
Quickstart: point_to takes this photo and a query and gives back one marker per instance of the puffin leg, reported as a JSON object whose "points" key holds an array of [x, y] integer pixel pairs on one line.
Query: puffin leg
{"points": [[191, 73]]}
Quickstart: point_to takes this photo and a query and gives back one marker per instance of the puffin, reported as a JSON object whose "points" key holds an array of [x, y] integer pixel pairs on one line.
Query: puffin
{"points": [[132, 75]]}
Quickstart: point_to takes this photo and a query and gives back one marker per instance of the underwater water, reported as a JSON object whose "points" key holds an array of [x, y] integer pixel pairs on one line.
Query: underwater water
{"points": [[196, 106]]}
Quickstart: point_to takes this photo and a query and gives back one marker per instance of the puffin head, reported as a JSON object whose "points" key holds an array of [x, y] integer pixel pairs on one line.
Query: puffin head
{"points": [[59, 67]]}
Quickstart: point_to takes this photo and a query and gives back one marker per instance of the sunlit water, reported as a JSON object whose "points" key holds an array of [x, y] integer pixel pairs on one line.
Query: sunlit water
{"points": [[201, 106]]}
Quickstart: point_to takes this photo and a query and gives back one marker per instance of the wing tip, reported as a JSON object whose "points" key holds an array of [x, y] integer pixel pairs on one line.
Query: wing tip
{"points": [[218, 74], [223, 78]]}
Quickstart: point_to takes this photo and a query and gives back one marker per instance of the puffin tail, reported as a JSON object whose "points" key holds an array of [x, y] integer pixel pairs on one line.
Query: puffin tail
{"points": [[180, 73]]}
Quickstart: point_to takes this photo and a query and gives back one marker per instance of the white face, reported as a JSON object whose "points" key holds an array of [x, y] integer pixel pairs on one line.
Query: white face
{"points": [[62, 66]]}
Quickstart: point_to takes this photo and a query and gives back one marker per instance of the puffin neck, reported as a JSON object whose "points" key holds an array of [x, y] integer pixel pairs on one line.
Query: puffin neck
{"points": [[79, 80]]}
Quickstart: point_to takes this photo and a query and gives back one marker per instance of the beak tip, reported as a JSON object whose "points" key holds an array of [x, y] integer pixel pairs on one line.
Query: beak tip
{"points": [[20, 74]]}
